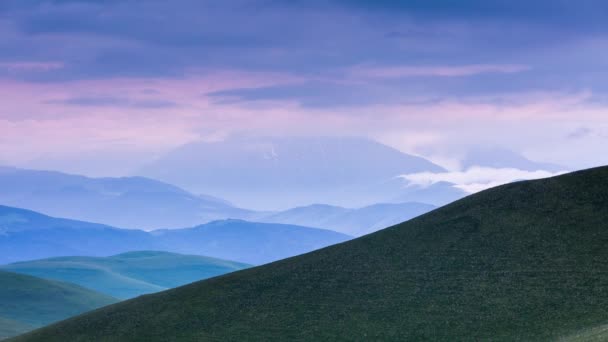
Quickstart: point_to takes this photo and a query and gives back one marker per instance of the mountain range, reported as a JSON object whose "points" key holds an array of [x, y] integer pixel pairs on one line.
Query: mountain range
{"points": [[269, 173], [147, 204], [524, 261], [27, 235], [128, 202]]}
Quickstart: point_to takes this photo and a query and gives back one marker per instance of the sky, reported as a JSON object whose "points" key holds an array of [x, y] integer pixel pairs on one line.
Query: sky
{"points": [[102, 87]]}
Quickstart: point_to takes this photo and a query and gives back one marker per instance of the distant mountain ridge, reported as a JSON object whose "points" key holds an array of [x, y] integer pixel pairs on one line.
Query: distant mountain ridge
{"points": [[129, 274], [249, 242], [27, 235], [354, 222], [128, 202]]}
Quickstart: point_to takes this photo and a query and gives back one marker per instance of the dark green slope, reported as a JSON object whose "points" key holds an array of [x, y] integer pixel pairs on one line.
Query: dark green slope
{"points": [[27, 302], [129, 274], [525, 261]]}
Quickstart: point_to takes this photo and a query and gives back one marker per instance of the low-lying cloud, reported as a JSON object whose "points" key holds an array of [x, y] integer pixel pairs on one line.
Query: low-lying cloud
{"points": [[476, 178]]}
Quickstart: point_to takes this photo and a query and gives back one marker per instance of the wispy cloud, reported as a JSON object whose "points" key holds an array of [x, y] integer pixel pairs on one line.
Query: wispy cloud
{"points": [[110, 101], [435, 71], [580, 133], [30, 66], [476, 178]]}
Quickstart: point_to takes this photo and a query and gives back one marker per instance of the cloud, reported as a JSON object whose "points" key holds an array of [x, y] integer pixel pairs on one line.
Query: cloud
{"points": [[109, 101], [580, 133], [445, 75], [30, 66], [476, 178], [587, 15], [436, 71]]}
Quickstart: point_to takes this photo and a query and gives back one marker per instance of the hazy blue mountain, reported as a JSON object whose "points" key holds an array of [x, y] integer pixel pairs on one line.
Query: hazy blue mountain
{"points": [[249, 242], [273, 173], [129, 274], [497, 157], [354, 222], [130, 202], [27, 235], [28, 302]]}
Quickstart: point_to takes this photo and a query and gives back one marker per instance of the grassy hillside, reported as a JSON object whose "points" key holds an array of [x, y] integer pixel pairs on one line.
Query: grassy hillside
{"points": [[130, 274], [27, 302], [525, 261]]}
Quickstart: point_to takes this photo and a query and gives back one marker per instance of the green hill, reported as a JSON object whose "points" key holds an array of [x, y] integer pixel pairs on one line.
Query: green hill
{"points": [[27, 302], [130, 274], [526, 261]]}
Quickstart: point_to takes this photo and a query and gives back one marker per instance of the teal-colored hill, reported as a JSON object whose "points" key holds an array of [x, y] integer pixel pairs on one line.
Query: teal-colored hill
{"points": [[27, 302], [130, 274]]}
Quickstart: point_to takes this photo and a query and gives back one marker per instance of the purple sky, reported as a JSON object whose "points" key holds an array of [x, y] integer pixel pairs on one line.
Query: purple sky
{"points": [[101, 87]]}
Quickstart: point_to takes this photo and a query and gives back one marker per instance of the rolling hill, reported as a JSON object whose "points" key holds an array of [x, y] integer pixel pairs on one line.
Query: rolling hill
{"points": [[127, 202], [27, 235], [524, 261], [127, 275], [354, 222], [28, 302]]}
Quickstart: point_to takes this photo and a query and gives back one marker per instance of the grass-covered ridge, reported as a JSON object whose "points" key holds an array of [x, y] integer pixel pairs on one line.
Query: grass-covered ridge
{"points": [[129, 274], [525, 261], [27, 302]]}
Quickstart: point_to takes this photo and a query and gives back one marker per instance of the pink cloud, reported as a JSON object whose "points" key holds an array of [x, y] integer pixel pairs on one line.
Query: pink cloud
{"points": [[36, 123]]}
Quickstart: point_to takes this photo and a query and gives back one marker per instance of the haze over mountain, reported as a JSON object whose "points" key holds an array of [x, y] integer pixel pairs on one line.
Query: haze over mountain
{"points": [[279, 173], [523, 261], [308, 170], [355, 222], [28, 302], [27, 235], [129, 274], [498, 157], [128, 202]]}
